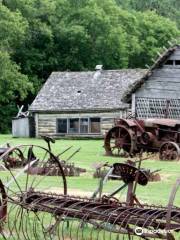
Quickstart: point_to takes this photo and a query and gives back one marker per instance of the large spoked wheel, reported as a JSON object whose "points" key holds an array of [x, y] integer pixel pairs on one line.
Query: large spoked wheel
{"points": [[118, 141], [39, 170], [43, 175], [169, 151]]}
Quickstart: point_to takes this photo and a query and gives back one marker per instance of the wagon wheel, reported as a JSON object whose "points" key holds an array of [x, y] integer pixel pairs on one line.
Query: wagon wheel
{"points": [[40, 164], [118, 141], [41, 175], [169, 151]]}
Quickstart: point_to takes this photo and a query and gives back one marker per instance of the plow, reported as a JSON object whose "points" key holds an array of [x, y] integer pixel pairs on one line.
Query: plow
{"points": [[129, 136], [31, 208], [19, 156]]}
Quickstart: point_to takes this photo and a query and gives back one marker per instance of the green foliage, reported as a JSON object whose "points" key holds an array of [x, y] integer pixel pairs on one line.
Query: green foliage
{"points": [[41, 36], [166, 8], [6, 112]]}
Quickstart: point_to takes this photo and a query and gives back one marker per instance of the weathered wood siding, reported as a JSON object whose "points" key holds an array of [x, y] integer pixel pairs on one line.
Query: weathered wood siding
{"points": [[46, 122], [164, 83], [23, 127]]}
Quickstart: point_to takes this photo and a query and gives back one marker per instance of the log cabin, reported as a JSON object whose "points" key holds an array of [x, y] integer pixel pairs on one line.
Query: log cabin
{"points": [[85, 104], [82, 104]]}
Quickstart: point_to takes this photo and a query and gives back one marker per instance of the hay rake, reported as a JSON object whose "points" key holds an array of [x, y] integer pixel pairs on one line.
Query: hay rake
{"points": [[32, 209]]}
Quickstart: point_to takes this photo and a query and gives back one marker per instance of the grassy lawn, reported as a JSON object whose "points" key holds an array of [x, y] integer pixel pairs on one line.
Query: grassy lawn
{"points": [[92, 152]]}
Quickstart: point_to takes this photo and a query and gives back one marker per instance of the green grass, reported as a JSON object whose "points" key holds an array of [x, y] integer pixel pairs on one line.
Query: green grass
{"points": [[91, 153]]}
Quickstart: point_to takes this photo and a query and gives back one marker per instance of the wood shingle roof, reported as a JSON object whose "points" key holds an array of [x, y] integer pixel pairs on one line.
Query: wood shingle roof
{"points": [[83, 91]]}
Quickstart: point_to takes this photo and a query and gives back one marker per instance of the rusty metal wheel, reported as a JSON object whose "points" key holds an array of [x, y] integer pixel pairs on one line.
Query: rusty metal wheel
{"points": [[38, 166], [41, 174], [118, 141], [169, 151]]}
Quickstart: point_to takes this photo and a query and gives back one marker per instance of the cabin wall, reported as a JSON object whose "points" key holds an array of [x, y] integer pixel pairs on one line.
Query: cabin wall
{"points": [[159, 96], [46, 123]]}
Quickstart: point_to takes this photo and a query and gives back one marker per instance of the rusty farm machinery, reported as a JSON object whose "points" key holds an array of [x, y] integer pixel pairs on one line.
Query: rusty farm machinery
{"points": [[31, 207], [19, 156], [130, 136]]}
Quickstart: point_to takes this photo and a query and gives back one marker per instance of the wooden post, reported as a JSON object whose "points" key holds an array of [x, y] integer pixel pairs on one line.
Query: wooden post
{"points": [[129, 193], [36, 125], [133, 104]]}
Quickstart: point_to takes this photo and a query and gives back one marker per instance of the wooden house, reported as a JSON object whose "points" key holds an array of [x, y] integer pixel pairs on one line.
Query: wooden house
{"points": [[157, 93], [82, 103]]}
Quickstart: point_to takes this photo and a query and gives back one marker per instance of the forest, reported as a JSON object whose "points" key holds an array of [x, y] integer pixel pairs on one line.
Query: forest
{"points": [[41, 36]]}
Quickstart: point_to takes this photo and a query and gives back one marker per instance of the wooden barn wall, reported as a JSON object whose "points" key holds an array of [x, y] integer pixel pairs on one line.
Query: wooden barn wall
{"points": [[46, 122], [164, 82]]}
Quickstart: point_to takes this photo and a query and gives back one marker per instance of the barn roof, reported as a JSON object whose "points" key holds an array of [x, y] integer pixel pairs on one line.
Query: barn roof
{"points": [[91, 90], [157, 64]]}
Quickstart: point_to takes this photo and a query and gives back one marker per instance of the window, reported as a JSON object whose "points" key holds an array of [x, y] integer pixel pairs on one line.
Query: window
{"points": [[95, 125], [78, 125], [73, 125], [84, 125], [169, 62], [62, 125], [177, 62]]}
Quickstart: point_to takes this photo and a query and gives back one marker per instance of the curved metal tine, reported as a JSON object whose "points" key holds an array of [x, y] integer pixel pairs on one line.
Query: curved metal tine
{"points": [[65, 215], [146, 219], [123, 211], [9, 223], [28, 162], [153, 218], [14, 178], [116, 211], [51, 226], [27, 227], [86, 216], [16, 223], [102, 219], [36, 231], [62, 175], [42, 178], [21, 223], [40, 164], [42, 222], [75, 206], [53, 223], [9, 189]]}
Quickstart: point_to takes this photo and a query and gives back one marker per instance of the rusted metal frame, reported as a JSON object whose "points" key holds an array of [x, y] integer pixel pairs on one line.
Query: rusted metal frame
{"points": [[170, 204], [92, 204]]}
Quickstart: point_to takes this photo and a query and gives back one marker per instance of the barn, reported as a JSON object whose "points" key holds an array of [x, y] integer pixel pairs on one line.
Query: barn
{"points": [[82, 104], [157, 93]]}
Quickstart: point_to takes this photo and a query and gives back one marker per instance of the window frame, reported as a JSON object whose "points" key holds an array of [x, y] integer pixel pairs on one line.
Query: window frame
{"points": [[79, 129], [57, 128], [99, 125]]}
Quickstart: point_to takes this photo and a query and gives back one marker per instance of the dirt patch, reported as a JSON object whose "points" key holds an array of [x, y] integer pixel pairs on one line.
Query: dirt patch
{"points": [[165, 176], [74, 192]]}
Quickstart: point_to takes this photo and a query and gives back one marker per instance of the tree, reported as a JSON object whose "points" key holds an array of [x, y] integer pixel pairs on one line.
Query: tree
{"points": [[14, 85], [41, 36]]}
